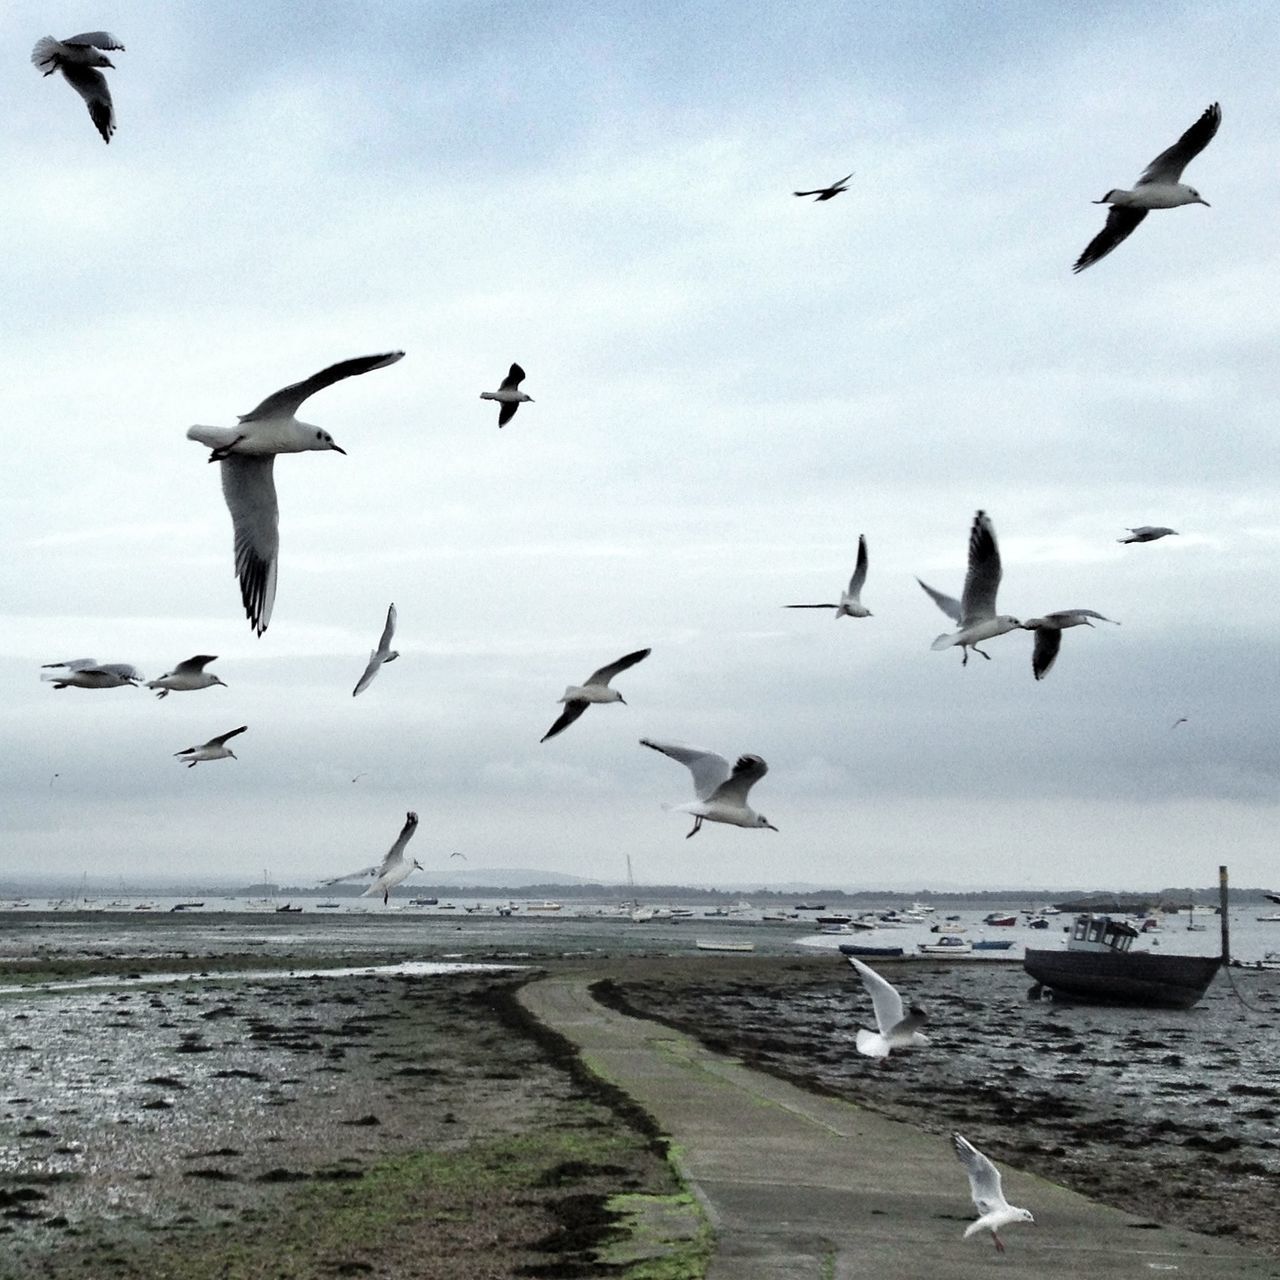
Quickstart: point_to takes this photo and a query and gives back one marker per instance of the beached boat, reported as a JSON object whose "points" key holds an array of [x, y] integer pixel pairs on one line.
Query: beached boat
{"points": [[1273, 918], [706, 944], [288, 910], [862, 949], [992, 944], [418, 902], [331, 905], [186, 906], [947, 945], [1098, 965], [942, 927], [1000, 919], [835, 919]]}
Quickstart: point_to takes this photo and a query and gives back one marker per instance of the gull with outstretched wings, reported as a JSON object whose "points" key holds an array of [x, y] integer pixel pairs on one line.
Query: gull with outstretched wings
{"points": [[214, 749], [383, 653], [850, 605], [247, 453], [975, 611], [79, 59], [721, 790], [896, 1028], [392, 869], [578, 697], [508, 395], [994, 1211], [1158, 188]]}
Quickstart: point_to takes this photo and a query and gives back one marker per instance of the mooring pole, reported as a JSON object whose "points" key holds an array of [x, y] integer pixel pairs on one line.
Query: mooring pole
{"points": [[1222, 915]]}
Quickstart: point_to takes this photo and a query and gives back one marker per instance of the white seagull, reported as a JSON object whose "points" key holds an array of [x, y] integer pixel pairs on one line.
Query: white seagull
{"points": [[721, 791], [984, 1185], [247, 453], [976, 610], [508, 395], [383, 653], [1148, 533], [1158, 188], [392, 869], [214, 749], [1049, 631], [850, 605], [896, 1029], [89, 673], [595, 688], [78, 58], [185, 676], [826, 193]]}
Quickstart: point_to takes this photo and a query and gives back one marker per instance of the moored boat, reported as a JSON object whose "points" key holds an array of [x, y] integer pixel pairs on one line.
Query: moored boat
{"points": [[1098, 965], [948, 945], [992, 944], [862, 949], [706, 944]]}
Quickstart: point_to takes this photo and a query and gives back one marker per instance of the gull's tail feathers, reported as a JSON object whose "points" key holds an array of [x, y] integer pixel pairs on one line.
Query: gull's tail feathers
{"points": [[871, 1044], [214, 437], [945, 641], [45, 54]]}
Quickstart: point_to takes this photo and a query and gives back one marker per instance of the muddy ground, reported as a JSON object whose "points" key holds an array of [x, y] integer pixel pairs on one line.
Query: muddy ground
{"points": [[309, 1127], [1171, 1115]]}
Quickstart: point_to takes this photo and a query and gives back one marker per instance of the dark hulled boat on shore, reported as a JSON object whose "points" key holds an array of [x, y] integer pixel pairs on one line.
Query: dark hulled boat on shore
{"points": [[1098, 965]]}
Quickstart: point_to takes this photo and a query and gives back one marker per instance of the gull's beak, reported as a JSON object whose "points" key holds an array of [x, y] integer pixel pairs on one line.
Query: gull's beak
{"points": [[233, 755], [338, 449], [223, 683], [417, 864], [1206, 204], [771, 826], [622, 700], [106, 62]]}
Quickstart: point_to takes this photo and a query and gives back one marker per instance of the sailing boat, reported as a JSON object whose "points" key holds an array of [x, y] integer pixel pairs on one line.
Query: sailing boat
{"points": [[1192, 927]]}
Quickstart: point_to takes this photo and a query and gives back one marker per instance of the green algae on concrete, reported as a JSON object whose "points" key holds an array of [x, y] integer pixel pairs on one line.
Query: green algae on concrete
{"points": [[663, 1237]]}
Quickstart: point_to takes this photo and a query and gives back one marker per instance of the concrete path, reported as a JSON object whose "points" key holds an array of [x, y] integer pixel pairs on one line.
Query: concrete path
{"points": [[803, 1187]]}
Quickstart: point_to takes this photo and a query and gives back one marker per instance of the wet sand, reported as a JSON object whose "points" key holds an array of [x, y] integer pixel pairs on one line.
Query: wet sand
{"points": [[284, 1127], [394, 1126], [1168, 1114]]}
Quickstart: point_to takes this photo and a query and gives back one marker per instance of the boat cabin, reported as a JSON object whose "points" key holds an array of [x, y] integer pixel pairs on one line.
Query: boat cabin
{"points": [[1100, 933]]}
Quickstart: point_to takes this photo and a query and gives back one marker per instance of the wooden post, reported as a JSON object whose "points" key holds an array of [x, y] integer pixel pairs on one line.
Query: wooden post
{"points": [[1223, 916]]}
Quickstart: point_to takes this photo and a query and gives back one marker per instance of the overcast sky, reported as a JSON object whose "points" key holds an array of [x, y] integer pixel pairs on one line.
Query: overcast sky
{"points": [[730, 386]]}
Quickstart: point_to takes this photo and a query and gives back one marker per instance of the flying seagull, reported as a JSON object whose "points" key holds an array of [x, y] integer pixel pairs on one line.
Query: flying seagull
{"points": [[896, 1029], [508, 395], [248, 453], [89, 673], [1148, 533], [1049, 631], [721, 791], [186, 675], [383, 653], [826, 193], [392, 869], [595, 688], [984, 1184], [214, 749], [78, 58], [850, 605], [1158, 188], [976, 610]]}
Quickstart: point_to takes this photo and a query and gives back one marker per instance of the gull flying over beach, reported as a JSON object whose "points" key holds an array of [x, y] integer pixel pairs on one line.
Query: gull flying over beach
{"points": [[1049, 631], [1148, 533], [826, 193], [214, 749], [78, 58], [1158, 188], [721, 791], [976, 610], [896, 1029], [186, 676], [850, 605], [383, 653], [247, 453], [577, 698], [392, 869], [508, 395], [89, 673], [984, 1184]]}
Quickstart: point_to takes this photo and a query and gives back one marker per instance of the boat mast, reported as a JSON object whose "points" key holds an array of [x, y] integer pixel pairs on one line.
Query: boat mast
{"points": [[1222, 915]]}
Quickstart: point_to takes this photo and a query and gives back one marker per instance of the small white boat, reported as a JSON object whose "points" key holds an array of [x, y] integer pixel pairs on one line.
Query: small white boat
{"points": [[948, 945], [705, 944]]}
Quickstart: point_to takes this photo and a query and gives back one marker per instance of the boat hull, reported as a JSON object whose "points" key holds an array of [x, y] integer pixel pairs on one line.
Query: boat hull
{"points": [[1134, 977], [857, 949]]}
